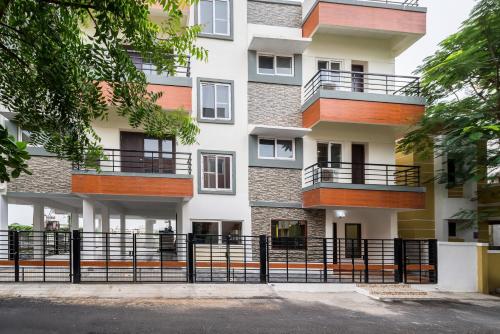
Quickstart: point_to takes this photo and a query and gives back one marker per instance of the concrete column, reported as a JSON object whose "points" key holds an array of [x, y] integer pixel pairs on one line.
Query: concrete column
{"points": [[38, 227], [123, 228], [74, 221], [4, 213], [88, 240], [150, 225], [105, 219]]}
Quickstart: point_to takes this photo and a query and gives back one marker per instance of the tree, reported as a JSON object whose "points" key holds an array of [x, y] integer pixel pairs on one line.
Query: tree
{"points": [[461, 83], [55, 56]]}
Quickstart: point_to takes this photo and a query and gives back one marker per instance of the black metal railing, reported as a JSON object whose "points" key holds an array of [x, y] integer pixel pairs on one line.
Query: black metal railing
{"points": [[132, 161], [362, 82], [169, 258], [408, 3], [362, 173], [181, 65]]}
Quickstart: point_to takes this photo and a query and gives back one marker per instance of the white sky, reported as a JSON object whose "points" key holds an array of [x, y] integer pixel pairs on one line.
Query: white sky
{"points": [[444, 17]]}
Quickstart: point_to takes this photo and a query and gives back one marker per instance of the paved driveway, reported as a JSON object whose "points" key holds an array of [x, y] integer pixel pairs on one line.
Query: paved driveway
{"points": [[289, 312]]}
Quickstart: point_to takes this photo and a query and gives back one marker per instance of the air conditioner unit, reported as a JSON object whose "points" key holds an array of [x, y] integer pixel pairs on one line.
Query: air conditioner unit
{"points": [[329, 175]]}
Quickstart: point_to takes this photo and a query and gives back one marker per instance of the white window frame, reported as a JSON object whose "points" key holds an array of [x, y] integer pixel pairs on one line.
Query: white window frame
{"points": [[219, 225], [275, 64], [230, 101], [276, 149], [213, 18], [202, 174]]}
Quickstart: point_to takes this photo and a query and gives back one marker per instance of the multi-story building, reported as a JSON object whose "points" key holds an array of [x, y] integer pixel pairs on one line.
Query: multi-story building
{"points": [[299, 107]]}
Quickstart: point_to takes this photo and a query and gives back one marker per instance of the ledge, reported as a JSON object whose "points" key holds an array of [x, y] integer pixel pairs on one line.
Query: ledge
{"points": [[266, 204], [104, 173], [375, 187]]}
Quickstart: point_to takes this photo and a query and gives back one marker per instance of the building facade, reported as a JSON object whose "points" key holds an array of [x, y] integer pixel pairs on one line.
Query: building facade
{"points": [[299, 108]]}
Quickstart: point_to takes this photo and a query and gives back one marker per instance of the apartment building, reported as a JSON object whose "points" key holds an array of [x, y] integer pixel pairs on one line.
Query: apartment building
{"points": [[299, 108]]}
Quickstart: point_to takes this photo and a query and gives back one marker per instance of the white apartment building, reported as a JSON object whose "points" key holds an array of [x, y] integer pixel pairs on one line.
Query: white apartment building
{"points": [[299, 108]]}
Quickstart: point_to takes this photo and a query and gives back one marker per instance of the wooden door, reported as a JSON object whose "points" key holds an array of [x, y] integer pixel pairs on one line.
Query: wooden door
{"points": [[353, 240], [132, 152], [358, 164]]}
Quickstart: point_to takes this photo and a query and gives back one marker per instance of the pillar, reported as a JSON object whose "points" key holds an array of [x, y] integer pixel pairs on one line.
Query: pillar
{"points": [[88, 216], [38, 228], [123, 229], [74, 223], [150, 225], [105, 219], [88, 240], [4, 213]]}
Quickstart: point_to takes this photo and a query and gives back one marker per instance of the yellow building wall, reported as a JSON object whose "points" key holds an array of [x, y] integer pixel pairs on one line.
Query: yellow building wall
{"points": [[419, 224], [493, 271]]}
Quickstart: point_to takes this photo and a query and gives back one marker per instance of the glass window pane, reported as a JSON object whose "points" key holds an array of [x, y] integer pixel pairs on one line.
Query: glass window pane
{"points": [[284, 65], [335, 66], [151, 146], [167, 146], [266, 148], [206, 232], [336, 155], [206, 16], [223, 172], [322, 65], [288, 234], [322, 154], [221, 17], [233, 230], [284, 149], [208, 100], [266, 64], [223, 101]]}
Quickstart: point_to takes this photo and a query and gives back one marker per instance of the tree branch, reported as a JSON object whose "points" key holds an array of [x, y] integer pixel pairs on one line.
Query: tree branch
{"points": [[13, 55], [3, 7]]}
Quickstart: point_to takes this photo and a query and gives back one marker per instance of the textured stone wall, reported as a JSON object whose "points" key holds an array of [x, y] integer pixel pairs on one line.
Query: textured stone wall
{"points": [[275, 184], [261, 219], [50, 175], [274, 14], [272, 104]]}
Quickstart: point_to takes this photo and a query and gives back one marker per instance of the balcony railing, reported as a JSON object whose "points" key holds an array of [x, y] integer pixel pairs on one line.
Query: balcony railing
{"points": [[348, 81], [144, 162], [409, 3], [362, 173], [182, 67]]}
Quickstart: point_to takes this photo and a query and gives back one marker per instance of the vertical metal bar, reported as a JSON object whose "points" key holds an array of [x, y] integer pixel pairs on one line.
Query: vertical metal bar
{"points": [[404, 261], [340, 264], [228, 258], [263, 258], [106, 250], [44, 241], [160, 238], [70, 250], [420, 261], [433, 259], [244, 258], [211, 261], [134, 256], [366, 260], [56, 243], [305, 255], [325, 261], [383, 262], [387, 175], [15, 249], [352, 258], [190, 257], [398, 260], [77, 275]]}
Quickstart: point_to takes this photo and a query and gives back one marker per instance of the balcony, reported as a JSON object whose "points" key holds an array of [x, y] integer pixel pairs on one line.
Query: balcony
{"points": [[346, 184], [135, 173], [400, 22], [360, 97], [176, 89]]}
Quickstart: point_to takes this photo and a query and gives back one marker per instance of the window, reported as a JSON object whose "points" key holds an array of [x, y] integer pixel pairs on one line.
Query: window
{"points": [[336, 155], [215, 101], [206, 232], [275, 65], [332, 71], [216, 171], [288, 234], [452, 229], [214, 17], [232, 230], [276, 149], [329, 155]]}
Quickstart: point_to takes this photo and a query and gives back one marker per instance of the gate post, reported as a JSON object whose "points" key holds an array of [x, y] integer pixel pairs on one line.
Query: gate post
{"points": [[398, 260], [190, 257], [14, 252], [77, 241], [433, 259], [366, 260], [325, 261], [263, 258]]}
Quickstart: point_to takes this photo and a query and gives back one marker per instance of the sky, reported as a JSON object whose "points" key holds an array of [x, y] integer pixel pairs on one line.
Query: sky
{"points": [[444, 17]]}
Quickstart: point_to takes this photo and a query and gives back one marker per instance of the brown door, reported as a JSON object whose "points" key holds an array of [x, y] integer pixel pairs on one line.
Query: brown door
{"points": [[142, 154], [358, 78], [353, 240], [358, 164]]}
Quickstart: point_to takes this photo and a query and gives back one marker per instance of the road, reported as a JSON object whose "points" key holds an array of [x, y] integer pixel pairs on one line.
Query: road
{"points": [[343, 312]]}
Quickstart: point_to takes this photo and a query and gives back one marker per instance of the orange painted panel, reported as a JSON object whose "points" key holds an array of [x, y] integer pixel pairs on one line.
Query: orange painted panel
{"points": [[367, 112], [325, 197], [132, 185], [173, 97], [364, 17]]}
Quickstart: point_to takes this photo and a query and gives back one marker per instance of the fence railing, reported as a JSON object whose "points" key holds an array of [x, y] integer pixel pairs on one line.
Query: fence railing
{"points": [[181, 65], [168, 258], [362, 173], [362, 82], [153, 162], [408, 3]]}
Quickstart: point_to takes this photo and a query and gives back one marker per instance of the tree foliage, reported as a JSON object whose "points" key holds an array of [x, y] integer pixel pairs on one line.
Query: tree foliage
{"points": [[13, 156], [55, 56], [461, 83]]}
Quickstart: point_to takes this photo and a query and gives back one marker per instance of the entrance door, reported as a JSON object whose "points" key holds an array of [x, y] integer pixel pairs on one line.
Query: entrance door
{"points": [[142, 154], [353, 240], [358, 78], [358, 164]]}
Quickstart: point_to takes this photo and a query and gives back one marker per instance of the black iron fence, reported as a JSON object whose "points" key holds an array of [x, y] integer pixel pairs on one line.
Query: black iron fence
{"points": [[169, 258], [155, 162], [180, 65], [362, 173], [362, 82]]}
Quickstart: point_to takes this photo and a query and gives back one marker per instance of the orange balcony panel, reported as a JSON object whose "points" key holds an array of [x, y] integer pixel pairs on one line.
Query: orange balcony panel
{"points": [[173, 97], [132, 185], [364, 17], [366, 112], [387, 199]]}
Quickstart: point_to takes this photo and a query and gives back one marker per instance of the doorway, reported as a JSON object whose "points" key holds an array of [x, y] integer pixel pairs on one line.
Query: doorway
{"points": [[143, 154], [358, 164], [353, 241], [358, 78]]}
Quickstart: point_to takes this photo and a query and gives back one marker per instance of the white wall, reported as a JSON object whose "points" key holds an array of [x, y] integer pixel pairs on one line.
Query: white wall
{"points": [[375, 223], [457, 266]]}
